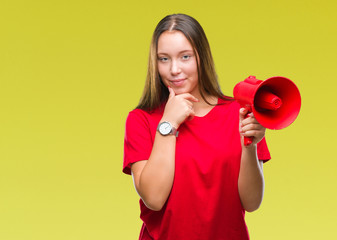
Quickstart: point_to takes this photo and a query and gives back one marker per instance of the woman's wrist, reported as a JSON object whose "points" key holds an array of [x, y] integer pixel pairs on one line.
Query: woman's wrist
{"points": [[250, 148]]}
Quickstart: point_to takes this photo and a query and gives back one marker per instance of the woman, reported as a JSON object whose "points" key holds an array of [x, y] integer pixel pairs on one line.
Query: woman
{"points": [[196, 184]]}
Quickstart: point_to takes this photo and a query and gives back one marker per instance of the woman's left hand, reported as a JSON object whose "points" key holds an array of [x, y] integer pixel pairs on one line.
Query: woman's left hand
{"points": [[250, 127]]}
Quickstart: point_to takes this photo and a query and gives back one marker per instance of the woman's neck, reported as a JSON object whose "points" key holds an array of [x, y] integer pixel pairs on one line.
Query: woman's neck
{"points": [[201, 108]]}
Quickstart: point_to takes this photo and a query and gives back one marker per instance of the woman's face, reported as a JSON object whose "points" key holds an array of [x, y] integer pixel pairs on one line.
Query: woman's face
{"points": [[177, 64]]}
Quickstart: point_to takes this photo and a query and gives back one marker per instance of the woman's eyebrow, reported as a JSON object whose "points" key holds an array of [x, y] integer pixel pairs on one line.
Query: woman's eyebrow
{"points": [[183, 51]]}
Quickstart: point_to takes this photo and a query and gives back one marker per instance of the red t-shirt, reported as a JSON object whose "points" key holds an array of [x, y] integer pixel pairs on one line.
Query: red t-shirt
{"points": [[204, 202]]}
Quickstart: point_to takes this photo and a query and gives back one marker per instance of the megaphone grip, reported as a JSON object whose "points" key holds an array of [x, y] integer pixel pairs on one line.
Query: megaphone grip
{"points": [[247, 141]]}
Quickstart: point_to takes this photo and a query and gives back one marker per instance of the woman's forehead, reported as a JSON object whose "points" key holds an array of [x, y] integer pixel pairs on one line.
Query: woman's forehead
{"points": [[173, 41]]}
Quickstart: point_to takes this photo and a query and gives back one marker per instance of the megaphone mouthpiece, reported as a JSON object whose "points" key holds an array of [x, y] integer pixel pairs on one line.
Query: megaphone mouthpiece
{"points": [[267, 101]]}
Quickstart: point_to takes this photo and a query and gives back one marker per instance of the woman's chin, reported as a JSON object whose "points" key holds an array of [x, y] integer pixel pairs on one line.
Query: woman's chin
{"points": [[179, 91]]}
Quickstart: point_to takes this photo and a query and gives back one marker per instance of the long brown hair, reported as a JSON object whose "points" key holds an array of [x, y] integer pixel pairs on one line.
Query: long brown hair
{"points": [[155, 92]]}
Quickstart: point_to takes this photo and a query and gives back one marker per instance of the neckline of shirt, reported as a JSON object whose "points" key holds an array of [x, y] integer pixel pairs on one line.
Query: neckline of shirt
{"points": [[209, 112]]}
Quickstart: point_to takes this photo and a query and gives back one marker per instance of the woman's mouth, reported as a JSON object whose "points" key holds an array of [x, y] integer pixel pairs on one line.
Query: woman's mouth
{"points": [[177, 82]]}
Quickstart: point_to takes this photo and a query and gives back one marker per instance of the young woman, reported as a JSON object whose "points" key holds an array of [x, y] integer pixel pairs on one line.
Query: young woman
{"points": [[198, 183]]}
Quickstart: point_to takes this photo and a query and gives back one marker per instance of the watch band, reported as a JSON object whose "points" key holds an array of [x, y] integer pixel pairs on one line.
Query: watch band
{"points": [[174, 131]]}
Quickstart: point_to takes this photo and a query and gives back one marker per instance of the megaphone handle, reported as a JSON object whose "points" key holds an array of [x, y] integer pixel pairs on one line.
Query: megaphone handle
{"points": [[247, 140]]}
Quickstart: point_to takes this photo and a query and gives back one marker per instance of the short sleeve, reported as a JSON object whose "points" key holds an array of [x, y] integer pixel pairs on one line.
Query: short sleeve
{"points": [[137, 140], [263, 151]]}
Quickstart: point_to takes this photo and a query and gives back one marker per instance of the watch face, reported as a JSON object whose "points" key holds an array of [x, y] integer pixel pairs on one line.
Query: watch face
{"points": [[165, 128]]}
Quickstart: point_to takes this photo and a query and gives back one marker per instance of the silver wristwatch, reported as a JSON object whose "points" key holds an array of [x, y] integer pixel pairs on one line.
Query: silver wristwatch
{"points": [[165, 128]]}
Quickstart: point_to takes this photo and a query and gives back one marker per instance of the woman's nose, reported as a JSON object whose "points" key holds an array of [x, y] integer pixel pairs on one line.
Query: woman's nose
{"points": [[175, 68]]}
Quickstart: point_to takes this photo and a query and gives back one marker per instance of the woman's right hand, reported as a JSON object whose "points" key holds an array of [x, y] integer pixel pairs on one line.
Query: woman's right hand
{"points": [[179, 108]]}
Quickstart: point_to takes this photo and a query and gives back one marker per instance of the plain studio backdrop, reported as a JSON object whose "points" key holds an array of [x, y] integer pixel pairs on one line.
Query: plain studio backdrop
{"points": [[70, 71]]}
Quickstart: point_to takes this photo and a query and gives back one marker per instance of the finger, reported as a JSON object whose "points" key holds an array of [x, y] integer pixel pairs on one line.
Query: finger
{"points": [[172, 93], [189, 97], [243, 112], [251, 114], [251, 127], [189, 104], [242, 115], [256, 135], [250, 133], [191, 116], [249, 120]]}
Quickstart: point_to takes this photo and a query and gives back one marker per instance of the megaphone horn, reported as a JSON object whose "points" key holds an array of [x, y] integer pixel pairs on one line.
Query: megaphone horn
{"points": [[275, 102]]}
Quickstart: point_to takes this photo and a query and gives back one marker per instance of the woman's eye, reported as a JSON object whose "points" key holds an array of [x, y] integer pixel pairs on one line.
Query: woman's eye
{"points": [[186, 57], [163, 59]]}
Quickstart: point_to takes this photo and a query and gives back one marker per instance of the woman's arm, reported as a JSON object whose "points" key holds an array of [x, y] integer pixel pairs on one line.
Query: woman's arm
{"points": [[251, 180], [153, 178]]}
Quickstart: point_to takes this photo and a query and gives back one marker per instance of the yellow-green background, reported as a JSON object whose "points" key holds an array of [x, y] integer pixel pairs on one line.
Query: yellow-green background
{"points": [[70, 71]]}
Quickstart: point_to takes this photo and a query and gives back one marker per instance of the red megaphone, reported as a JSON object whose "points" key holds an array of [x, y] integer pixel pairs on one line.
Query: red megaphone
{"points": [[275, 102]]}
